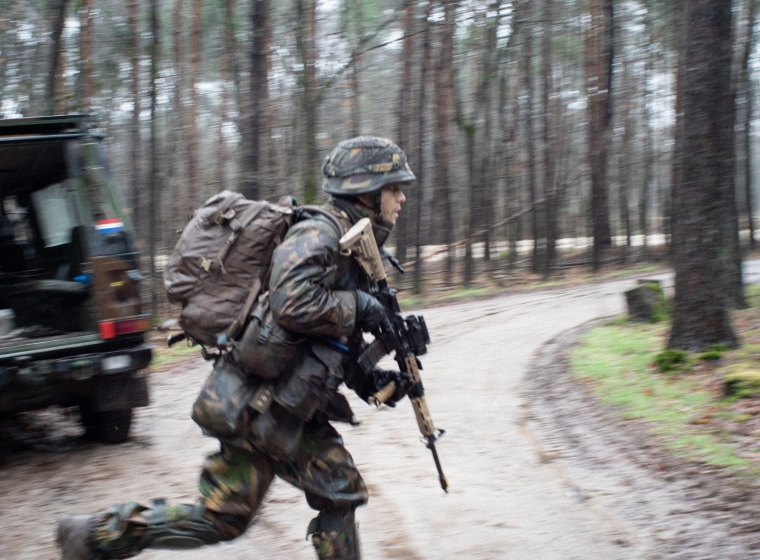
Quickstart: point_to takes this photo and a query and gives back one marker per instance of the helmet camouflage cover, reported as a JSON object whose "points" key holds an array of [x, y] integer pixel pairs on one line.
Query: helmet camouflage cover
{"points": [[363, 165]]}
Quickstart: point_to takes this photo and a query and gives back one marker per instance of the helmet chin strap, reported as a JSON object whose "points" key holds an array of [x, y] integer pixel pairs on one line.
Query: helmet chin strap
{"points": [[380, 227]]}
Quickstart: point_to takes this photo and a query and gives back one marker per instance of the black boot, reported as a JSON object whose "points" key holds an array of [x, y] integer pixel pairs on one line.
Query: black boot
{"points": [[335, 536]]}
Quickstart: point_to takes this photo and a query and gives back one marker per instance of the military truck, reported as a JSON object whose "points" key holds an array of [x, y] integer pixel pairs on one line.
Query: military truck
{"points": [[72, 326]]}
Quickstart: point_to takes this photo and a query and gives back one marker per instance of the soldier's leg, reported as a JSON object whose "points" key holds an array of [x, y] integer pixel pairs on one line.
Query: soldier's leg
{"points": [[232, 485], [326, 472]]}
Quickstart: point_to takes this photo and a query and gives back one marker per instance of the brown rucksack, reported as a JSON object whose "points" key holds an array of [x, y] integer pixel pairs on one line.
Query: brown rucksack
{"points": [[221, 263]]}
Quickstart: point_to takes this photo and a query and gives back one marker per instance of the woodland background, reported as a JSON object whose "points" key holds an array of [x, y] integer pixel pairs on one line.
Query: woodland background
{"points": [[624, 122]]}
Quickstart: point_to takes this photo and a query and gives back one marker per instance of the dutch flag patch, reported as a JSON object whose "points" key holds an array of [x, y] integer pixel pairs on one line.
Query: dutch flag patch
{"points": [[112, 225]]}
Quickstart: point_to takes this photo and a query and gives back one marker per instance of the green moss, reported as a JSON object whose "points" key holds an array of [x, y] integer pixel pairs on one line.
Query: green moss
{"points": [[742, 381], [670, 360], [660, 311], [715, 352]]}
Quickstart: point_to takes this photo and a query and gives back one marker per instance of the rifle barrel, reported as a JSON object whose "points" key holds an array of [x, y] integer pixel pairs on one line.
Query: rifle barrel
{"points": [[441, 476]]}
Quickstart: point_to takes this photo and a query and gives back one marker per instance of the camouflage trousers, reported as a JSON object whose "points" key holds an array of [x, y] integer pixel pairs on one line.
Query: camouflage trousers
{"points": [[232, 486]]}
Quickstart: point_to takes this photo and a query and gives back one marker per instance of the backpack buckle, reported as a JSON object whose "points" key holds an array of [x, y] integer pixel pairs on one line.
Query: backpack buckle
{"points": [[224, 217]]}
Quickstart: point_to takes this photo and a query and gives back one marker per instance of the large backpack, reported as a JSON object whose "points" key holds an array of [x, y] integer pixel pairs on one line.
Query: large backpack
{"points": [[221, 263]]}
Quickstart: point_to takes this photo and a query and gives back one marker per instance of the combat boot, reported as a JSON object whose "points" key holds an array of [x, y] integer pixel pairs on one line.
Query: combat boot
{"points": [[335, 537], [125, 530], [71, 536]]}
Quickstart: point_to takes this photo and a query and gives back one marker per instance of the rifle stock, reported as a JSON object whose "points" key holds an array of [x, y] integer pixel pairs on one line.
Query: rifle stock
{"points": [[406, 337]]}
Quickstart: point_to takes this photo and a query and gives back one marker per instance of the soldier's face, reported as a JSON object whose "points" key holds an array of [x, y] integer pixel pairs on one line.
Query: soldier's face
{"points": [[391, 199]]}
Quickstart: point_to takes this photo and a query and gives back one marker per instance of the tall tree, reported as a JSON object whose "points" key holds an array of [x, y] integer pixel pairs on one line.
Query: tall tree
{"points": [[191, 131], [153, 211], [442, 224], [483, 118], [259, 94], [701, 195], [599, 58], [550, 125], [404, 135], [421, 129], [358, 20], [86, 63], [646, 184], [536, 221], [306, 12], [746, 90], [133, 12], [58, 17]]}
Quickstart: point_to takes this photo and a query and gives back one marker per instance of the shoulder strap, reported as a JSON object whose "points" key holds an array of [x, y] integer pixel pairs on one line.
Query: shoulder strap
{"points": [[312, 211]]}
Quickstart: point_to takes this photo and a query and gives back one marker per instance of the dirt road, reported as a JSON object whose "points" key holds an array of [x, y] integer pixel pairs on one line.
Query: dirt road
{"points": [[508, 498]]}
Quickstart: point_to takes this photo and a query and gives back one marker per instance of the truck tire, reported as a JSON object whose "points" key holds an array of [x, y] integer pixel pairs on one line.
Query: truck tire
{"points": [[111, 426]]}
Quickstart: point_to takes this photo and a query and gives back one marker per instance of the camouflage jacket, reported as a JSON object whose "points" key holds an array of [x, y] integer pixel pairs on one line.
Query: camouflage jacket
{"points": [[312, 286]]}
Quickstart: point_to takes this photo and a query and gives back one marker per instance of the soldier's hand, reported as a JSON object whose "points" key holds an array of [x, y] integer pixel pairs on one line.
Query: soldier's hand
{"points": [[369, 311], [382, 377]]}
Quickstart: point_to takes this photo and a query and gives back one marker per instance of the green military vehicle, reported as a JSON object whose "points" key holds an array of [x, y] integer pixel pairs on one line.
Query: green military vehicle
{"points": [[72, 327]]}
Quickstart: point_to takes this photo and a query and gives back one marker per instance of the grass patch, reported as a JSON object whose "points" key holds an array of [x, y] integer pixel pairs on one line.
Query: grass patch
{"points": [[685, 410], [548, 284], [412, 301], [163, 355], [631, 270]]}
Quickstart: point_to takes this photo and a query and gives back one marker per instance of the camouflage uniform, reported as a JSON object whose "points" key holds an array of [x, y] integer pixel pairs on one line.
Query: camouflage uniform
{"points": [[312, 293]]}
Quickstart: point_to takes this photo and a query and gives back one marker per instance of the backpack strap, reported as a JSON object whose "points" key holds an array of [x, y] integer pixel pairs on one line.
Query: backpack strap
{"points": [[237, 325], [312, 211]]}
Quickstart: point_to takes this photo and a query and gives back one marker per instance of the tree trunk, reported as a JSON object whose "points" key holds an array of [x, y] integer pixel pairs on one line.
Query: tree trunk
{"points": [[536, 206], [133, 13], [226, 71], [87, 88], [598, 51], [356, 119], [483, 118], [626, 169], [154, 179], [702, 196], [749, 99], [258, 95], [421, 146], [469, 265], [306, 39], [404, 116], [646, 186], [549, 139], [441, 213], [58, 11], [191, 132], [181, 126]]}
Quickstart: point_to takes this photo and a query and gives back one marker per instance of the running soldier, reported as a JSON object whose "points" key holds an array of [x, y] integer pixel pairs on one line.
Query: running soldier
{"points": [[314, 292]]}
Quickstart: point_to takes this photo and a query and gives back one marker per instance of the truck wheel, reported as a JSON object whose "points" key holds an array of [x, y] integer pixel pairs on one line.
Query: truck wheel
{"points": [[111, 426]]}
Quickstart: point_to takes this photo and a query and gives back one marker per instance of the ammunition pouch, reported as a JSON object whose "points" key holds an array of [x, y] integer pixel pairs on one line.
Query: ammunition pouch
{"points": [[221, 409], [247, 411], [266, 350], [277, 431], [318, 373]]}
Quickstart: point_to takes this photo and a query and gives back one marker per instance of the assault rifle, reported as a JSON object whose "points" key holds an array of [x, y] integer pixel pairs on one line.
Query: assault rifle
{"points": [[406, 337]]}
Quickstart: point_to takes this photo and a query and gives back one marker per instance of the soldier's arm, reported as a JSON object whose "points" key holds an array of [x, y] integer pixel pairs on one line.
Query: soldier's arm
{"points": [[304, 265]]}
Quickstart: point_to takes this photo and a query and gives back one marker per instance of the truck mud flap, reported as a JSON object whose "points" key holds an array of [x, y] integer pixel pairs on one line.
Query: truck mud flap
{"points": [[121, 394]]}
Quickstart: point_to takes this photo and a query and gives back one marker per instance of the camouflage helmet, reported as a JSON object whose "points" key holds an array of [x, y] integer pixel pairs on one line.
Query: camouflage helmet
{"points": [[364, 165]]}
